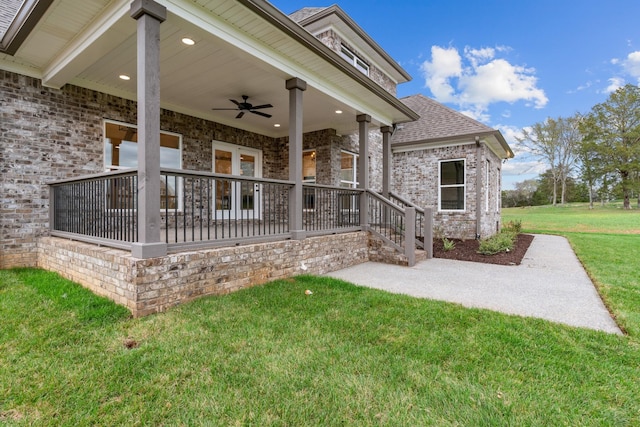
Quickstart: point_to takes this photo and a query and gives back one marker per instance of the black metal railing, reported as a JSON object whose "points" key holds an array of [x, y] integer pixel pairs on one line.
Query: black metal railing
{"points": [[387, 220], [420, 216], [197, 206], [101, 206], [328, 208]]}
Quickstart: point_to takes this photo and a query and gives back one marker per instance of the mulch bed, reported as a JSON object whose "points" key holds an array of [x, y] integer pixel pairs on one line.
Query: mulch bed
{"points": [[467, 250]]}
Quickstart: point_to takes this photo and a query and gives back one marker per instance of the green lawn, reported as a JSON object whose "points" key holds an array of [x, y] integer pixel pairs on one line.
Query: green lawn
{"points": [[345, 355], [607, 241]]}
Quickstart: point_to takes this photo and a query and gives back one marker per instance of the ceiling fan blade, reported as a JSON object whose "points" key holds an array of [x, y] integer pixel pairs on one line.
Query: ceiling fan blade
{"points": [[235, 102], [261, 114], [224, 109], [262, 106], [240, 114]]}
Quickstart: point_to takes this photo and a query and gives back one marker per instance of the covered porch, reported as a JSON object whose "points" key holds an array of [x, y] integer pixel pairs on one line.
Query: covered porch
{"points": [[149, 235]]}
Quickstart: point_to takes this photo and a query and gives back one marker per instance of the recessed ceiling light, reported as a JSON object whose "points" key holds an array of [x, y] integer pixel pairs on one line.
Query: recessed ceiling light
{"points": [[188, 41], [124, 77], [277, 125], [338, 111]]}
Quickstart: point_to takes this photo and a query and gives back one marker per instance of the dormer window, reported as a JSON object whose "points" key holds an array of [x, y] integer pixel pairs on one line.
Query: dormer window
{"points": [[354, 59]]}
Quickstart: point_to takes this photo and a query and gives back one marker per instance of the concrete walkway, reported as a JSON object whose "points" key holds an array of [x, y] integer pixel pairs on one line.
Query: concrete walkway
{"points": [[550, 284]]}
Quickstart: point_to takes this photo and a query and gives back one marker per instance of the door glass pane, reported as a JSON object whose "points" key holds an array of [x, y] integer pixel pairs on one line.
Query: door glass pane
{"points": [[248, 169], [223, 187]]}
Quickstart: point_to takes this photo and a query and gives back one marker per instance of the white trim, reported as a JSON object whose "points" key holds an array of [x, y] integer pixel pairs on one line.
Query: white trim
{"points": [[354, 182], [429, 145], [178, 189], [487, 184], [236, 153], [464, 185]]}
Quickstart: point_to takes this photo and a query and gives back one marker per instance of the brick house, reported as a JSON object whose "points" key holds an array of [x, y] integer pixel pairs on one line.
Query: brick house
{"points": [[450, 162], [156, 151]]}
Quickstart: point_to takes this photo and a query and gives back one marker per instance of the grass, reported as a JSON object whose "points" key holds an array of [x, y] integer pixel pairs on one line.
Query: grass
{"points": [[345, 355], [272, 355], [607, 242]]}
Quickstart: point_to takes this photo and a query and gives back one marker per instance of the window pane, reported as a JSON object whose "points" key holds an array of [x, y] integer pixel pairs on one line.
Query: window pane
{"points": [[452, 173], [309, 166], [348, 168], [452, 198], [121, 147]]}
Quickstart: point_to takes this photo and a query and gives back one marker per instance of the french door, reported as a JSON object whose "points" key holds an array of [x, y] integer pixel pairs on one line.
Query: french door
{"points": [[237, 199]]}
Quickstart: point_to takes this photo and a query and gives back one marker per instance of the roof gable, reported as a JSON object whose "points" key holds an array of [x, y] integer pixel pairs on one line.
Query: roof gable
{"points": [[439, 123]]}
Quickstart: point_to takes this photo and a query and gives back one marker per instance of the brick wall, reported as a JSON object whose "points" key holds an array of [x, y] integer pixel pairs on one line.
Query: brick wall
{"points": [[153, 285], [48, 134], [415, 176]]}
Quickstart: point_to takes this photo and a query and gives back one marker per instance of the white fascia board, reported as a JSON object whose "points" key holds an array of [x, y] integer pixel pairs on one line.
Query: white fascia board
{"points": [[228, 33], [7, 64], [84, 49], [430, 146]]}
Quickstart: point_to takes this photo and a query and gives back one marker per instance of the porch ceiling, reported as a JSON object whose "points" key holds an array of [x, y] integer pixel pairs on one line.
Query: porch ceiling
{"points": [[237, 52]]}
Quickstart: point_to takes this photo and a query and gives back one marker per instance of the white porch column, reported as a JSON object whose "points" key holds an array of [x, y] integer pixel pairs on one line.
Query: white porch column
{"points": [[295, 86], [386, 160], [363, 166], [149, 15]]}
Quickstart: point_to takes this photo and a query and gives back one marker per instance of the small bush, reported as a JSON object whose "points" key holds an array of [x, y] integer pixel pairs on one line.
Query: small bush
{"points": [[514, 226], [447, 244], [501, 242]]}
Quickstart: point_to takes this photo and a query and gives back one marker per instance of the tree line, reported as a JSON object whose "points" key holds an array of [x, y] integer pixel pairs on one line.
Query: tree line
{"points": [[593, 156]]}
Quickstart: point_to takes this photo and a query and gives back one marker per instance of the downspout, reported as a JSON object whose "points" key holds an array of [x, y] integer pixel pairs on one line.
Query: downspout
{"points": [[478, 188]]}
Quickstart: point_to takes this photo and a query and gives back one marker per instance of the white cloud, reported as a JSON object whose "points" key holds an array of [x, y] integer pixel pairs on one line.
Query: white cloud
{"points": [[478, 79], [631, 64], [445, 64], [615, 83]]}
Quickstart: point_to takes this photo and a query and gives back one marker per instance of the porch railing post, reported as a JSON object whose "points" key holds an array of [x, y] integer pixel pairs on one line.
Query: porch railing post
{"points": [[295, 87], [386, 160], [363, 167], [149, 15], [410, 235], [428, 232]]}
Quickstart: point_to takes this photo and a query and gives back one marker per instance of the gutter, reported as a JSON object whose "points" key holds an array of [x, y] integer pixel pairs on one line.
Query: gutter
{"points": [[479, 166], [279, 20]]}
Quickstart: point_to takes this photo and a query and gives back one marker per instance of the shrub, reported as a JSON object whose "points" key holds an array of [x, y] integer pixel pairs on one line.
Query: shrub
{"points": [[514, 226], [447, 244], [501, 242]]}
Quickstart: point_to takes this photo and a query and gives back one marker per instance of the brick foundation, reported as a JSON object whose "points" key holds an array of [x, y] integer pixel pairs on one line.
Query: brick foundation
{"points": [[154, 285]]}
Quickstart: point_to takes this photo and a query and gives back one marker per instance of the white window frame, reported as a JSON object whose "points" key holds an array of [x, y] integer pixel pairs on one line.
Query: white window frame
{"points": [[499, 190], [236, 152], [463, 185], [309, 195], [353, 183], [111, 167], [354, 59], [487, 184]]}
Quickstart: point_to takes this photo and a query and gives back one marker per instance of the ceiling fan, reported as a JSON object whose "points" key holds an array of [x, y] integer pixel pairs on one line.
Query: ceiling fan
{"points": [[245, 106]]}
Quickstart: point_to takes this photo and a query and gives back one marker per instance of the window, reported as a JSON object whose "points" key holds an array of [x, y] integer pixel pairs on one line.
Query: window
{"points": [[309, 176], [348, 179], [498, 191], [487, 185], [354, 60], [348, 170], [121, 152], [452, 185]]}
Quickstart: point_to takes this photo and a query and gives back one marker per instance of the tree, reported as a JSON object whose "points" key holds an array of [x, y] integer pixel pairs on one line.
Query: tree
{"points": [[555, 142], [613, 128]]}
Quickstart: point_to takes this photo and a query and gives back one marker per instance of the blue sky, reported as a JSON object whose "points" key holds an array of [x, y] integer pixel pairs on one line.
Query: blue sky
{"points": [[508, 64]]}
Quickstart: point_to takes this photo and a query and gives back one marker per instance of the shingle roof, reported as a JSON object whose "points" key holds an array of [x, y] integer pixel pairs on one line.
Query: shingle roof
{"points": [[8, 10], [436, 123]]}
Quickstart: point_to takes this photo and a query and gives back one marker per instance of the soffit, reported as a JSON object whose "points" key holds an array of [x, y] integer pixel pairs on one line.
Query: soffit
{"points": [[237, 52]]}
